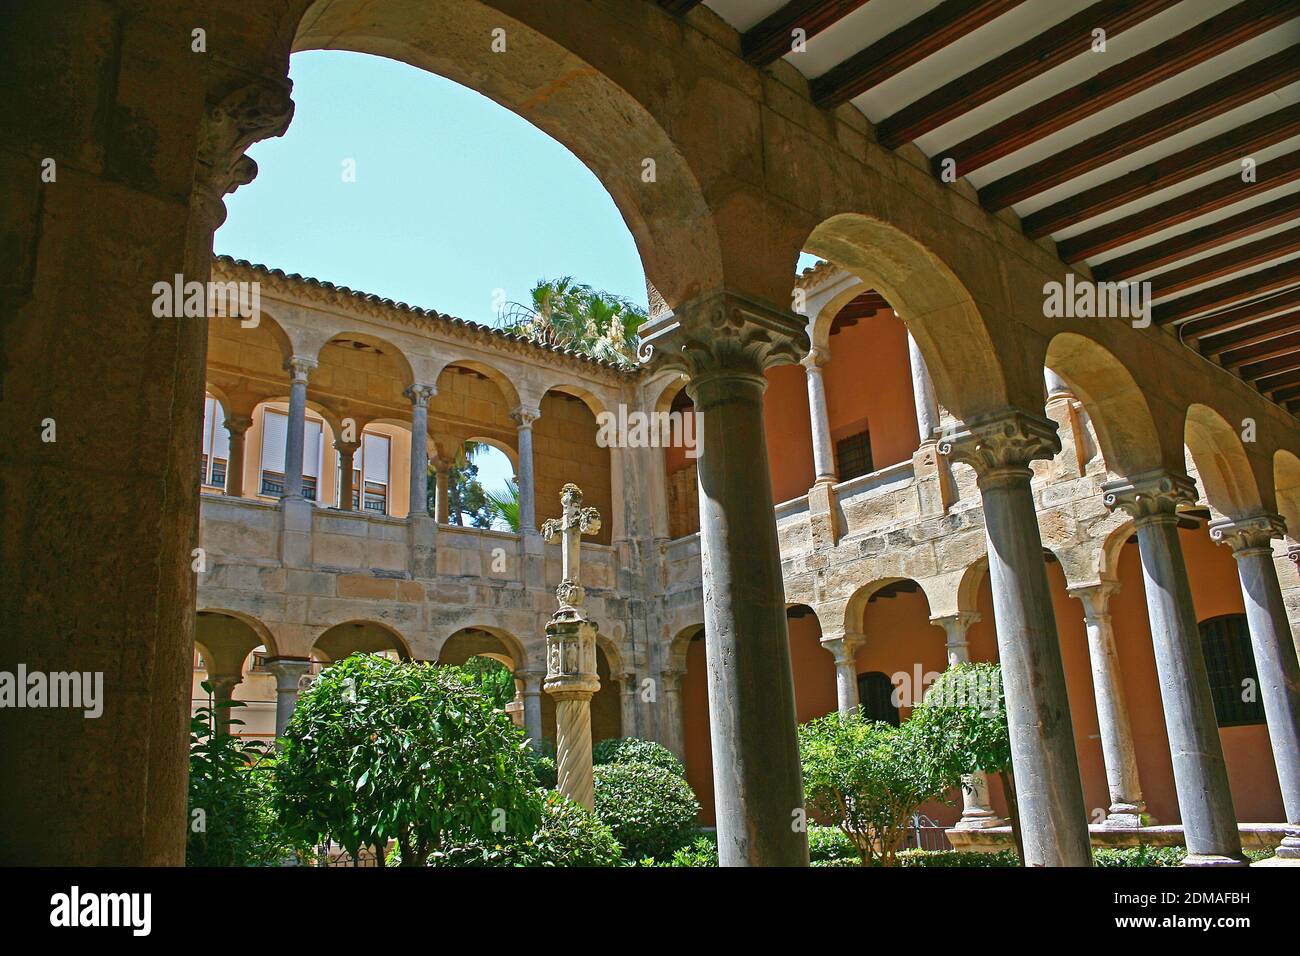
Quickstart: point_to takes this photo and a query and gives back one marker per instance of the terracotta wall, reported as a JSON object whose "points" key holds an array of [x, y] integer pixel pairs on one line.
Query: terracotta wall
{"points": [[565, 450]]}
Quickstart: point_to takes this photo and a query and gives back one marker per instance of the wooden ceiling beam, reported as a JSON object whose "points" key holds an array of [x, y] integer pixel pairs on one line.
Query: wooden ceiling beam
{"points": [[1233, 319], [1051, 48], [1268, 368], [1251, 334], [1243, 87], [906, 46], [679, 7], [1226, 263], [1272, 348], [774, 37], [1255, 219], [1277, 383], [1138, 73], [1228, 293], [1229, 147]]}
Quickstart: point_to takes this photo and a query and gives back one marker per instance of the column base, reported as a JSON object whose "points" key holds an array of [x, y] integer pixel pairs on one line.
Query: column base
{"points": [[1209, 859], [1127, 816], [1289, 848], [979, 820]]}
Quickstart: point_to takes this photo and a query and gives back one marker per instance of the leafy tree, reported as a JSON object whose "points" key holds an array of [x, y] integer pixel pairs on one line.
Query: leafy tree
{"points": [[964, 716], [380, 749], [492, 678], [869, 778], [231, 818], [561, 312], [568, 835]]}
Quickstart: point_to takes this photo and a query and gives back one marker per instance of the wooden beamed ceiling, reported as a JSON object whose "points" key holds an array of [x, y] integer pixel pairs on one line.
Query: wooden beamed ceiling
{"points": [[1172, 156]]}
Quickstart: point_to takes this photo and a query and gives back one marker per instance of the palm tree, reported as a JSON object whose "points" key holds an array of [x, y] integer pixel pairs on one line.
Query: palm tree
{"points": [[566, 314], [504, 504]]}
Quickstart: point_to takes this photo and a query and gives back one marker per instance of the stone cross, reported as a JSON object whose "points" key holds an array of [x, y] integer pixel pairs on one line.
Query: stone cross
{"points": [[570, 527], [571, 677]]}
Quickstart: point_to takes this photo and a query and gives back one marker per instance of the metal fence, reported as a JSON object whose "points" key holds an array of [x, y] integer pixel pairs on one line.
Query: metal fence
{"points": [[923, 833]]}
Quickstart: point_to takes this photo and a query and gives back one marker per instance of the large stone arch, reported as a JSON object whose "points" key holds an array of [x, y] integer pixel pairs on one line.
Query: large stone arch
{"points": [[226, 637], [555, 89], [1227, 480], [1131, 443], [359, 635], [449, 647], [937, 308]]}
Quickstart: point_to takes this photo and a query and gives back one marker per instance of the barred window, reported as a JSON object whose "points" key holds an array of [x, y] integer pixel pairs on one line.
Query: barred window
{"points": [[853, 456], [1234, 682], [875, 693]]}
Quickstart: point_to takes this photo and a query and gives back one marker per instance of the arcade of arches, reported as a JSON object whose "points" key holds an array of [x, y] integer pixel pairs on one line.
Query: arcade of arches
{"points": [[916, 468]]}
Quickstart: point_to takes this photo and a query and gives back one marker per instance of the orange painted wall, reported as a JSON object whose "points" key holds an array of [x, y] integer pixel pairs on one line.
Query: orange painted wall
{"points": [[789, 432], [899, 637], [869, 385]]}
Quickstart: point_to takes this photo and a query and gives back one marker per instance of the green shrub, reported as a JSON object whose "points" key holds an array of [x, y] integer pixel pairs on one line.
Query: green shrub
{"points": [[379, 750], [829, 843], [700, 853], [568, 835], [651, 810], [1138, 856], [636, 750], [542, 761], [953, 858]]}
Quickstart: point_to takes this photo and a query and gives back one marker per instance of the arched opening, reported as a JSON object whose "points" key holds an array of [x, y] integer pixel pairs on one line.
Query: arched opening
{"points": [[232, 647], [1286, 486], [359, 637], [566, 449], [1227, 481]]}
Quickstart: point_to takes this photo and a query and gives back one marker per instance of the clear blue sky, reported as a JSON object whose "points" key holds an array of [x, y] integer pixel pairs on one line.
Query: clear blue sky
{"points": [[454, 197]]}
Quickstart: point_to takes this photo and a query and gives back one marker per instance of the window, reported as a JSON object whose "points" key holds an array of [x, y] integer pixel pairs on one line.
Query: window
{"points": [[275, 427], [876, 693], [374, 468], [853, 456], [216, 445], [1234, 682]]}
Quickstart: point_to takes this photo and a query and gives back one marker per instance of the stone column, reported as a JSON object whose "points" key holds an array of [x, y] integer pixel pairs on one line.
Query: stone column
{"points": [[223, 690], [1275, 656], [844, 649], [1200, 776], [823, 451], [442, 493], [723, 343], [347, 454], [977, 810], [523, 417], [419, 396], [1000, 447], [1127, 808], [237, 427], [1056, 386], [672, 732], [627, 702], [289, 672], [295, 429], [927, 405], [532, 681]]}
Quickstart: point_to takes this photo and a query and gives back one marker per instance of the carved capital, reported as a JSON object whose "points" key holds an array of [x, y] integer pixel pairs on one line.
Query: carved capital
{"points": [[843, 647], [1095, 599], [723, 332], [346, 447], [1152, 496], [420, 394], [525, 415], [815, 359], [299, 367], [237, 424], [1003, 441], [1294, 554], [1246, 535], [255, 111]]}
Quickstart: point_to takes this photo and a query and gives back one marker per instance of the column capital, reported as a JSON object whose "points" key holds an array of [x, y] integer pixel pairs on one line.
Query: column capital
{"points": [[532, 680], [724, 332], [1150, 496], [1095, 598], [1002, 441], [959, 622], [289, 671], [237, 424], [843, 647], [525, 415], [1293, 553], [252, 112], [1251, 534], [299, 367], [347, 447], [420, 394], [815, 359]]}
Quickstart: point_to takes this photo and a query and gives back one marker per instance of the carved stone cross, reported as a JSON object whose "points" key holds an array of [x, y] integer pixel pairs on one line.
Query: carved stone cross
{"points": [[570, 527]]}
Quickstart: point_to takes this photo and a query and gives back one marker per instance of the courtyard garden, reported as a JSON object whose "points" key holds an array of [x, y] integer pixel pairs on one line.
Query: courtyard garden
{"points": [[409, 764]]}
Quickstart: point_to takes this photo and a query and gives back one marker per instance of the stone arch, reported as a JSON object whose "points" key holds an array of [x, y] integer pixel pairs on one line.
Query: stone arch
{"points": [[453, 649], [226, 638], [1227, 480], [268, 334], [509, 393], [968, 587], [1286, 486], [937, 308], [349, 637], [550, 86], [511, 453], [374, 351], [1121, 417], [855, 608], [680, 645]]}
